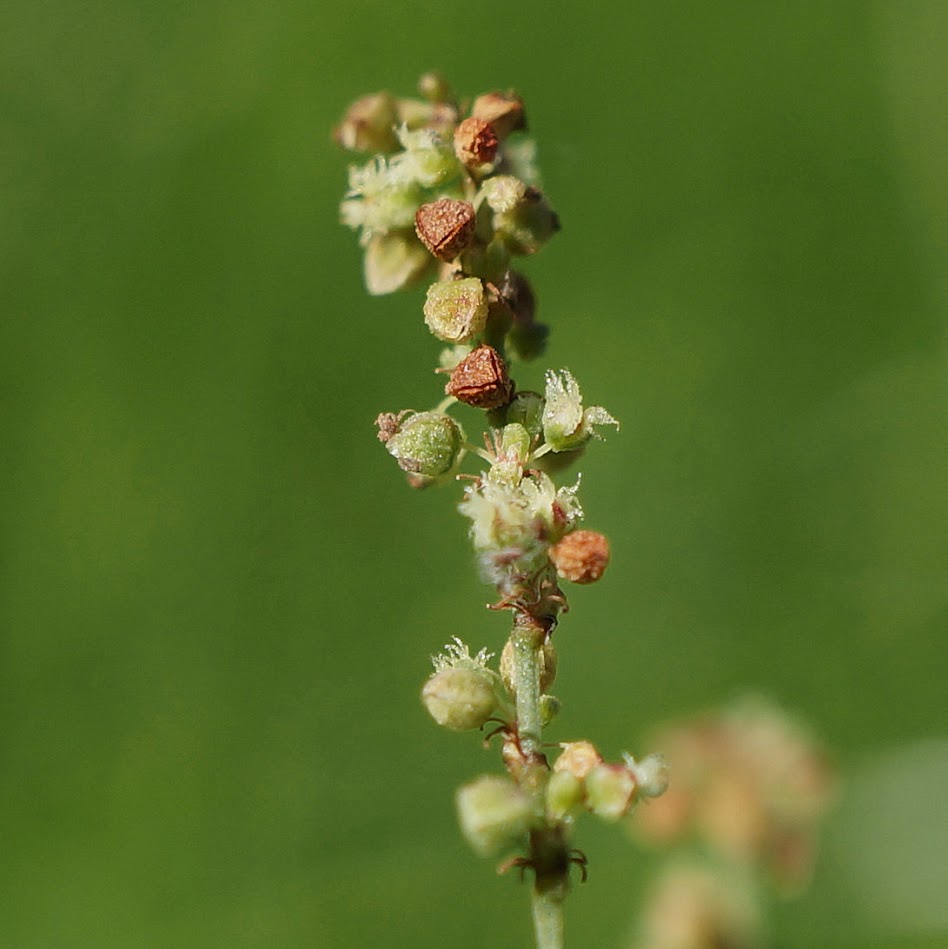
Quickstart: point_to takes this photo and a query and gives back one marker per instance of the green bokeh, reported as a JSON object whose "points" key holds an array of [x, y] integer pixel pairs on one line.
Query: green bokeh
{"points": [[217, 597]]}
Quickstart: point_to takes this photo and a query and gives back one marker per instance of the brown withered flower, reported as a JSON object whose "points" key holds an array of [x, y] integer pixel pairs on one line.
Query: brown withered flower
{"points": [[481, 380], [445, 227], [504, 111], [388, 424], [475, 143], [581, 556], [369, 125]]}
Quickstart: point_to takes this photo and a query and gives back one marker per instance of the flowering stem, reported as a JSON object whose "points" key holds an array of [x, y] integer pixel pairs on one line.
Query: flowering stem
{"points": [[549, 852], [547, 847], [548, 920], [527, 637]]}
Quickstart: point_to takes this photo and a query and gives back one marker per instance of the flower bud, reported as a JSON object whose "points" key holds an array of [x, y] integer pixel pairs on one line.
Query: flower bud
{"points": [[427, 159], [581, 556], [425, 443], [494, 814], [503, 193], [566, 424], [380, 199], [564, 793], [516, 292], [481, 380], [369, 125], [434, 87], [548, 662], [610, 791], [456, 310], [503, 110], [445, 227], [550, 707], [459, 698], [651, 774], [578, 758], [439, 117], [475, 143], [528, 340], [528, 225], [394, 261], [526, 408], [515, 443], [513, 452]]}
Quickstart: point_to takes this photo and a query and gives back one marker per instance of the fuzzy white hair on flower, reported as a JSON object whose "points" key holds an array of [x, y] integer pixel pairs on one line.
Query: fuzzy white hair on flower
{"points": [[566, 424], [651, 773], [457, 655], [381, 198], [427, 159]]}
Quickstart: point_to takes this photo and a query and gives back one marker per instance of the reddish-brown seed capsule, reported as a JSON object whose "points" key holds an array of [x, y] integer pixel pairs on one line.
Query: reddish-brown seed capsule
{"points": [[581, 556], [475, 142], [481, 380], [445, 227]]}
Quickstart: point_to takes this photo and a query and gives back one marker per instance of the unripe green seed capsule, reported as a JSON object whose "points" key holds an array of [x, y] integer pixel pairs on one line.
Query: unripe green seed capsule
{"points": [[456, 310], [528, 225], [494, 814], [564, 793], [610, 791], [526, 408], [428, 443], [460, 699]]}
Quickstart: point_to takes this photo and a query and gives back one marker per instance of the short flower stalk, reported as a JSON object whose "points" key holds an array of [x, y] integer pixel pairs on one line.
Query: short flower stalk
{"points": [[451, 196]]}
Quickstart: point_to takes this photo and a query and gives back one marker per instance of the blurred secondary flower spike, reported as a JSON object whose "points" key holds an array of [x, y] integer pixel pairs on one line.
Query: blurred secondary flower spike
{"points": [[449, 198], [742, 816]]}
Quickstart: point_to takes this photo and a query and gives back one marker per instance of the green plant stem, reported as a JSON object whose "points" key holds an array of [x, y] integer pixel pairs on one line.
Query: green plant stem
{"points": [[548, 920], [548, 850], [527, 643]]}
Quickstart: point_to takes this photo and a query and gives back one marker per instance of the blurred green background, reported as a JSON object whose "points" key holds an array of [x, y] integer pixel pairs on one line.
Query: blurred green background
{"points": [[218, 597]]}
